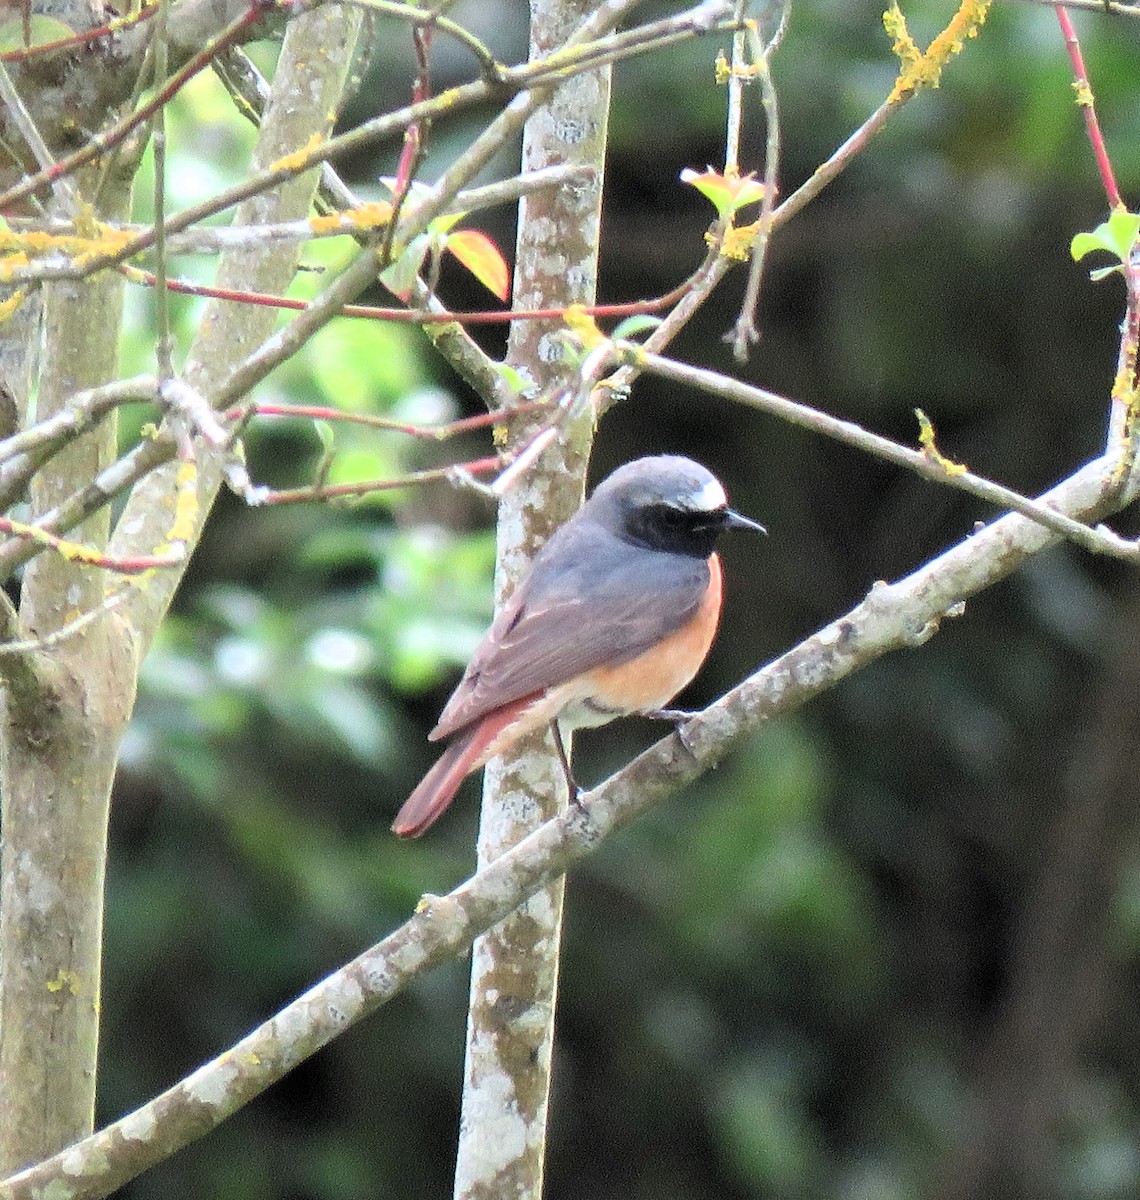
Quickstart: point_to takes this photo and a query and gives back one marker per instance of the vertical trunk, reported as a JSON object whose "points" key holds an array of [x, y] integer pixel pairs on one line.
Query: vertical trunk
{"points": [[514, 969], [65, 712]]}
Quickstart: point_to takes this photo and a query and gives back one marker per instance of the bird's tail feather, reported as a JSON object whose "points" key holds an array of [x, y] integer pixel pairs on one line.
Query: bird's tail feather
{"points": [[466, 752]]}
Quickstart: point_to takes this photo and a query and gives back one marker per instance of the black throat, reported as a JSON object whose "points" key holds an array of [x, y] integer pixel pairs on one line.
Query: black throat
{"points": [[673, 530]]}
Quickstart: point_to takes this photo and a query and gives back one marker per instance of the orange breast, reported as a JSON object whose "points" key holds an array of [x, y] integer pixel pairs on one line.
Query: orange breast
{"points": [[641, 684], [652, 679]]}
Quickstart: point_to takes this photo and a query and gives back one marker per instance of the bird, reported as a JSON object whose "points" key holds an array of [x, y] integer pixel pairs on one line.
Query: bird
{"points": [[613, 618]]}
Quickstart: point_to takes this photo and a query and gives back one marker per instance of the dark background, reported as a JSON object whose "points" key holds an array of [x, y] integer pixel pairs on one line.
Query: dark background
{"points": [[889, 949]]}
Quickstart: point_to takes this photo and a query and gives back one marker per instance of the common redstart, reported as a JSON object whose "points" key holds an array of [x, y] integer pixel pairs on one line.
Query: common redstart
{"points": [[614, 617]]}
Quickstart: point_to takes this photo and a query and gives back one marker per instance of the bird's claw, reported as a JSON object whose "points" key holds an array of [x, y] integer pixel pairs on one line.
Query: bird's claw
{"points": [[677, 715], [680, 718]]}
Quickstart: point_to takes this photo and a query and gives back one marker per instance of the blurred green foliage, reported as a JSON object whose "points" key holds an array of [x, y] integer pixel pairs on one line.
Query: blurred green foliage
{"points": [[889, 949]]}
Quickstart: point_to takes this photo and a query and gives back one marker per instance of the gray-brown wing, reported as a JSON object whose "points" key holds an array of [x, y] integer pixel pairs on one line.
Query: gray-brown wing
{"points": [[589, 599]]}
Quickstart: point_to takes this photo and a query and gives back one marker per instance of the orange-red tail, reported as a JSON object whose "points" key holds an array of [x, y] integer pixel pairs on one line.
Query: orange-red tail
{"points": [[466, 752]]}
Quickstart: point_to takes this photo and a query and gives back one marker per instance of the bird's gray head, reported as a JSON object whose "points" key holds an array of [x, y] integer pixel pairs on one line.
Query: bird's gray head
{"points": [[666, 502]]}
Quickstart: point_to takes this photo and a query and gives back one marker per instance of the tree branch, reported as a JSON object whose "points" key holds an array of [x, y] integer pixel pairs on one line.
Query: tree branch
{"points": [[893, 616]]}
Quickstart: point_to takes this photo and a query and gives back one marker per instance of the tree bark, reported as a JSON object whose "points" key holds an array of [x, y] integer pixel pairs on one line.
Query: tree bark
{"points": [[66, 710], [514, 966], [65, 713]]}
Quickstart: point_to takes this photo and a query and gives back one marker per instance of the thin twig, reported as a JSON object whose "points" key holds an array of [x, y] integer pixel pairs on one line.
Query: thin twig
{"points": [[262, 497], [434, 433], [1109, 7], [570, 59], [99, 143], [164, 342], [737, 78], [22, 454], [118, 25], [1100, 540], [29, 131], [747, 330], [1087, 105], [425, 19], [355, 220]]}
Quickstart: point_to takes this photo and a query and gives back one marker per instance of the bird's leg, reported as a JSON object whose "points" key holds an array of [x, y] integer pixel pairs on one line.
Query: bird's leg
{"points": [[571, 783]]}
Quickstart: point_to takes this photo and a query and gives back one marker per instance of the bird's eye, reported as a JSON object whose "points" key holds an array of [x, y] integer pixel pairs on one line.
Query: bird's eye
{"points": [[673, 517]]}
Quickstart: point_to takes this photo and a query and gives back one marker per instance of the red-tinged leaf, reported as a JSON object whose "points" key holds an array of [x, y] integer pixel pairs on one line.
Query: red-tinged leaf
{"points": [[481, 257], [727, 192]]}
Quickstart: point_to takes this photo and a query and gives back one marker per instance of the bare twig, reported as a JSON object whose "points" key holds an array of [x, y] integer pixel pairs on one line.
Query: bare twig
{"points": [[747, 331], [29, 131], [164, 342], [1110, 7], [81, 411], [1099, 540], [356, 221], [101, 143]]}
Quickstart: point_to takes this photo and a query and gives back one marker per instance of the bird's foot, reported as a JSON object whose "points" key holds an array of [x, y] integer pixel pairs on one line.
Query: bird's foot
{"points": [[677, 715], [680, 718]]}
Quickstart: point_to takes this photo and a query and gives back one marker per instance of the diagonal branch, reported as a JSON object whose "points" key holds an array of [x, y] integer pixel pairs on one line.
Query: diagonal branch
{"points": [[892, 617]]}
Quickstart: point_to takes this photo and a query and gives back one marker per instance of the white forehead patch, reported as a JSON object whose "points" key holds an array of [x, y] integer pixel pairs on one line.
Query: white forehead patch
{"points": [[709, 497]]}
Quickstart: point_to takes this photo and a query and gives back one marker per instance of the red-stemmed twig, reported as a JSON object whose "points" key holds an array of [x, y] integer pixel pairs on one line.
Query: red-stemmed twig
{"points": [[436, 433], [80, 39], [357, 491], [100, 143], [415, 139], [419, 316], [1088, 107]]}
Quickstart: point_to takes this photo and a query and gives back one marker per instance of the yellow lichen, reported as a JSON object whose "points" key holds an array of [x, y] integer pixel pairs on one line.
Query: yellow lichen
{"points": [[1084, 93], [65, 979], [10, 264], [583, 326], [92, 240], [924, 68], [299, 159], [9, 306], [186, 505], [365, 216], [926, 440], [737, 242]]}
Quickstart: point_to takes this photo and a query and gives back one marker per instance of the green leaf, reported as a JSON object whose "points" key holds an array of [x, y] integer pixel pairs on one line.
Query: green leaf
{"points": [[727, 193], [400, 277], [1117, 236], [41, 31], [326, 434], [447, 221], [518, 380], [632, 326]]}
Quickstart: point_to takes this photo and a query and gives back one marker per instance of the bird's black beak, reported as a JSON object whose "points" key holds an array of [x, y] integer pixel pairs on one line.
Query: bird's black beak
{"points": [[733, 520]]}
